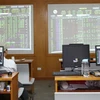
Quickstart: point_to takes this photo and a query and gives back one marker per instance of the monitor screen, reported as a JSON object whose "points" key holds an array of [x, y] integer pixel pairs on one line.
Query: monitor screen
{"points": [[1, 55], [97, 53], [73, 54]]}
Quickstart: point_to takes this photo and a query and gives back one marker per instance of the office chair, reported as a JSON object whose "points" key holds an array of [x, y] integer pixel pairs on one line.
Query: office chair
{"points": [[30, 88], [20, 91]]}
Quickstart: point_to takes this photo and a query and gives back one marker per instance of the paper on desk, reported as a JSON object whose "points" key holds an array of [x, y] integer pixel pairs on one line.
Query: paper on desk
{"points": [[83, 86], [69, 88], [75, 86]]}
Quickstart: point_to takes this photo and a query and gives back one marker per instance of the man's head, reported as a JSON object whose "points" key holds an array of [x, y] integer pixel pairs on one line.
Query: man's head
{"points": [[5, 51]]}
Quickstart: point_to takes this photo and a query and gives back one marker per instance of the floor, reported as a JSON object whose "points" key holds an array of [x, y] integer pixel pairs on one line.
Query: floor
{"points": [[44, 90]]}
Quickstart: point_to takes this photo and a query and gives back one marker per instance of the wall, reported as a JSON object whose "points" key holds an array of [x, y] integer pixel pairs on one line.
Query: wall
{"points": [[48, 63]]}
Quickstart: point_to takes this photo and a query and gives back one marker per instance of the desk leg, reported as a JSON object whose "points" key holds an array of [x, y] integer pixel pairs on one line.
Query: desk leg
{"points": [[56, 86], [30, 70], [14, 88]]}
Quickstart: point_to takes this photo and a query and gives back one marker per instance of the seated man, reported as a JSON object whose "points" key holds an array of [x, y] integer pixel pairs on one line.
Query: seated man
{"points": [[10, 66]]}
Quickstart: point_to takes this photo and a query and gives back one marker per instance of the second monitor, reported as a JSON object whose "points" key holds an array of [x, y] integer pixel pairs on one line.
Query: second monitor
{"points": [[73, 54]]}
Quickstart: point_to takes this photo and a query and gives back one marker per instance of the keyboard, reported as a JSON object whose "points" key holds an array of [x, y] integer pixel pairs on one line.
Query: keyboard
{"points": [[67, 73], [3, 72]]}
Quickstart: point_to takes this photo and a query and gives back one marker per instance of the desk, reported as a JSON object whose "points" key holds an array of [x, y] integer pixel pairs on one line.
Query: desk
{"points": [[82, 94], [28, 84], [26, 61], [13, 84]]}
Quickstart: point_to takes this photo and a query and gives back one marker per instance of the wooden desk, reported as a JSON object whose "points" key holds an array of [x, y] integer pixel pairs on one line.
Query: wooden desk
{"points": [[26, 61], [80, 94], [13, 84], [28, 85], [74, 78]]}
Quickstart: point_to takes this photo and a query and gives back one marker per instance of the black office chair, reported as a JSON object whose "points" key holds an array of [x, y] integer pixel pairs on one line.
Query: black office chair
{"points": [[30, 88], [31, 97]]}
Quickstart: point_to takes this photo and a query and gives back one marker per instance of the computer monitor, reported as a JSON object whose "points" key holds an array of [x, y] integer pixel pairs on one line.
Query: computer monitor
{"points": [[73, 54], [1, 55], [97, 54]]}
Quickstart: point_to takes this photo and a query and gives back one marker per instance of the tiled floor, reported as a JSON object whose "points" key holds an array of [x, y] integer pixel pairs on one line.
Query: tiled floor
{"points": [[44, 90]]}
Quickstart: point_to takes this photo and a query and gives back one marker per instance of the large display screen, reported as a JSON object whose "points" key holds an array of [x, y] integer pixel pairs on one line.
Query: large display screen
{"points": [[73, 23], [16, 28]]}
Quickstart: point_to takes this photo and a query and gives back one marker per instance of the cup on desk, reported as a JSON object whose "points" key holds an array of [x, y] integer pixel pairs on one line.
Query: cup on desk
{"points": [[13, 58]]}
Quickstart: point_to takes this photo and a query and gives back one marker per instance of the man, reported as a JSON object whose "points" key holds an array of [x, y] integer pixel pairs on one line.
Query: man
{"points": [[10, 66]]}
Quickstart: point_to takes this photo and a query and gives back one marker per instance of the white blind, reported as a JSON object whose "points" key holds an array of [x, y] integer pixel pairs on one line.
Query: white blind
{"points": [[73, 23], [16, 28]]}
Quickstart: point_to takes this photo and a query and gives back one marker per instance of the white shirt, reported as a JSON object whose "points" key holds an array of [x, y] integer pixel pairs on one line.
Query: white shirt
{"points": [[9, 65]]}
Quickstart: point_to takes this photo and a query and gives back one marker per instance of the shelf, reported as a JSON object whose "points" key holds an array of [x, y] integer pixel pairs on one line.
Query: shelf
{"points": [[90, 89], [13, 82], [79, 93]]}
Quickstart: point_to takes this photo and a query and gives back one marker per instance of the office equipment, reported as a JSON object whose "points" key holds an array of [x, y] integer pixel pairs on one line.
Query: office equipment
{"points": [[13, 93], [97, 53], [81, 93], [93, 60], [67, 73], [20, 18], [73, 27], [95, 73], [73, 54], [3, 72], [1, 55]]}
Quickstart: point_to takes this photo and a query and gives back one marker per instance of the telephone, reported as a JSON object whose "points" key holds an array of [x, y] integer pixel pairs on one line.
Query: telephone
{"points": [[95, 72]]}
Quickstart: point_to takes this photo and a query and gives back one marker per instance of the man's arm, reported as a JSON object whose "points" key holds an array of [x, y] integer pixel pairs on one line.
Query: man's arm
{"points": [[13, 65]]}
